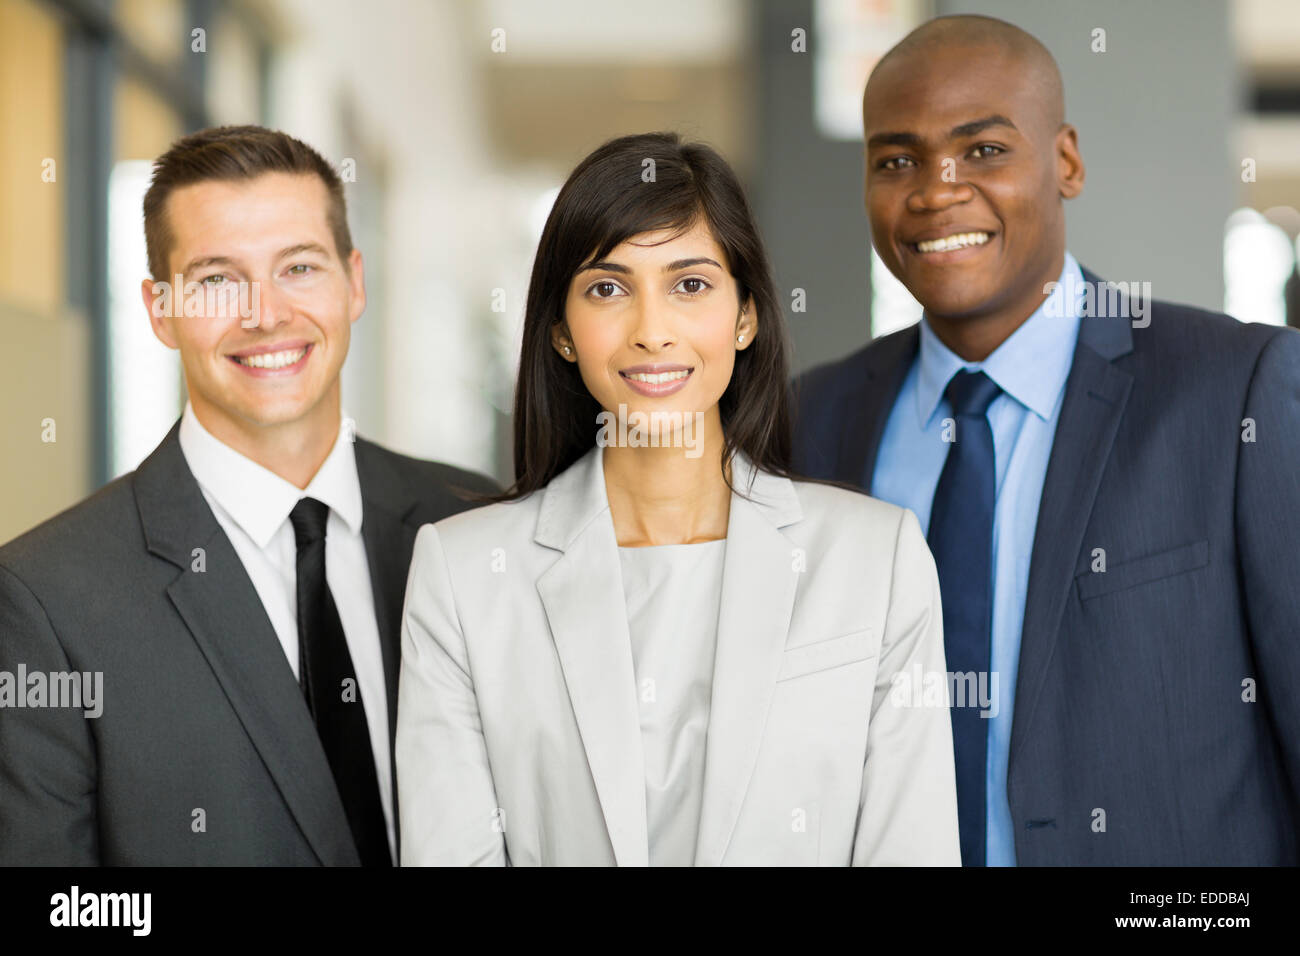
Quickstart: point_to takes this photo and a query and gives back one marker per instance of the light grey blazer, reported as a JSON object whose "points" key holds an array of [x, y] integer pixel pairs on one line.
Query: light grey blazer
{"points": [[518, 734]]}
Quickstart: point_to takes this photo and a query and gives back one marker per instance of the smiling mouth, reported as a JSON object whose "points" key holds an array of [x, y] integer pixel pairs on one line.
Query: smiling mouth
{"points": [[659, 378], [272, 360], [961, 240]]}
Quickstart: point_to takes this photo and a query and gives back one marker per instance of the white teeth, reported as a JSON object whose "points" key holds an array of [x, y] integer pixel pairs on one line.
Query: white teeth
{"points": [[660, 378], [272, 359], [959, 241]]}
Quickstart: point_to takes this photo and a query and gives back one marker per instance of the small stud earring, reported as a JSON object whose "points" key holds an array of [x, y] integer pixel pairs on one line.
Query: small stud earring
{"points": [[740, 338], [567, 350]]}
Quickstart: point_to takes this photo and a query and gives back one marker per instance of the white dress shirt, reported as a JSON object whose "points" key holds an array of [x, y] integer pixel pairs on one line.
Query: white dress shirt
{"points": [[252, 505], [672, 593]]}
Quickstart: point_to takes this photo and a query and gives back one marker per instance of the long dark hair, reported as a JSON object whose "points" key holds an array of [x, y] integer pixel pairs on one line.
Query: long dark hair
{"points": [[606, 200]]}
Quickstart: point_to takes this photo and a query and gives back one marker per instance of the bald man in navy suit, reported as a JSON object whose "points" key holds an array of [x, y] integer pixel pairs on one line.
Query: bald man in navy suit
{"points": [[1110, 486]]}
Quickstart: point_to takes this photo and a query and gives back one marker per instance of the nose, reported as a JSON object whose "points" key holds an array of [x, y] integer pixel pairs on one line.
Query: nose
{"points": [[940, 188], [269, 307], [652, 326]]}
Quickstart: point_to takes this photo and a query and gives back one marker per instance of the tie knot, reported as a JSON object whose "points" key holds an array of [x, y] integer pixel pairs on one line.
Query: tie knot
{"points": [[971, 393], [309, 517]]}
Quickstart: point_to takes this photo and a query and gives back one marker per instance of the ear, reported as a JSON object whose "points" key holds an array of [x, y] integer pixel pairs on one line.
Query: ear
{"points": [[746, 324], [160, 299], [1069, 163], [357, 282], [560, 341]]}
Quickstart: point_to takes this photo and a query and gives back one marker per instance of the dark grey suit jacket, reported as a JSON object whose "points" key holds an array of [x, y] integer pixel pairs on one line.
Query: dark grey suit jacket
{"points": [[201, 710], [1134, 689]]}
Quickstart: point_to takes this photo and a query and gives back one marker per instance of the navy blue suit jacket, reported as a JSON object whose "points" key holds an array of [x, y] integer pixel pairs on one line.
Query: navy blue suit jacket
{"points": [[1134, 694]]}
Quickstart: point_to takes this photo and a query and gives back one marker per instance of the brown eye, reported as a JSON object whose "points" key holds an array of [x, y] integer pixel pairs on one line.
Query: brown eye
{"points": [[692, 285], [604, 290]]}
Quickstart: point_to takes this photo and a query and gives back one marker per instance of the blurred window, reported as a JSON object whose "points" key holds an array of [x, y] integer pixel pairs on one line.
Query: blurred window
{"points": [[849, 37], [1258, 259], [31, 158], [144, 378]]}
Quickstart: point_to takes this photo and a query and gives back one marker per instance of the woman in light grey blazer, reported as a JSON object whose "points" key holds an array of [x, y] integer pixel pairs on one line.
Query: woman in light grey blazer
{"points": [[660, 647]]}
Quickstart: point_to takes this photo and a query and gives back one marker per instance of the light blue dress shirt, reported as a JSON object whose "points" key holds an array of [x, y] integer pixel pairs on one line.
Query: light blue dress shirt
{"points": [[1031, 368]]}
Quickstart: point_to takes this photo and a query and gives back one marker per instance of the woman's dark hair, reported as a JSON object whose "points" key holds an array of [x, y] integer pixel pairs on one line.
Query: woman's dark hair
{"points": [[610, 197]]}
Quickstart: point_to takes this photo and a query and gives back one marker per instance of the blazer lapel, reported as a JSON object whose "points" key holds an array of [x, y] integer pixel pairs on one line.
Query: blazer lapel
{"points": [[585, 606], [390, 520], [759, 581], [389, 543], [583, 597], [868, 402], [225, 616], [389, 524], [1096, 393]]}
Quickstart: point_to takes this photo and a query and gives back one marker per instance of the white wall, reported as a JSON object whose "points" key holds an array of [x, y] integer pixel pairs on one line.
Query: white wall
{"points": [[409, 69]]}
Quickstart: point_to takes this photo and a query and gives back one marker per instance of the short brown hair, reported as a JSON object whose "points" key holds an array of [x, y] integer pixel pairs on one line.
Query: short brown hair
{"points": [[227, 153]]}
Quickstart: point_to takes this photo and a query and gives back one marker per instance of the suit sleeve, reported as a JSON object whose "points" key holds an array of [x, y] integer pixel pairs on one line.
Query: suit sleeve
{"points": [[908, 811], [47, 754], [1268, 538], [448, 806]]}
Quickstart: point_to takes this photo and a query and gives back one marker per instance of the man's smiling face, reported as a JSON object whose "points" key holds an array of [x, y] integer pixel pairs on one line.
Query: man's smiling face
{"points": [[966, 166], [281, 365]]}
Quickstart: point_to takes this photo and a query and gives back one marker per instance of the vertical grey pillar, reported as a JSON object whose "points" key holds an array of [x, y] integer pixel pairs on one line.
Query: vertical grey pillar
{"points": [[88, 78], [808, 195]]}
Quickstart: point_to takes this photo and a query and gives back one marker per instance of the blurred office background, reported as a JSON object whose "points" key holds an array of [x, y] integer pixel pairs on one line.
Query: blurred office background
{"points": [[462, 118]]}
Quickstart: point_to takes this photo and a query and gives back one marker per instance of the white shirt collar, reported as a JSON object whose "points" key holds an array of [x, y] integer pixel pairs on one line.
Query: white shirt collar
{"points": [[256, 498]]}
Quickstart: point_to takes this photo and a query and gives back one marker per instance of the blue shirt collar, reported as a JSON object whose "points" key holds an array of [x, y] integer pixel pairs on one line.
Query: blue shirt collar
{"points": [[1031, 366]]}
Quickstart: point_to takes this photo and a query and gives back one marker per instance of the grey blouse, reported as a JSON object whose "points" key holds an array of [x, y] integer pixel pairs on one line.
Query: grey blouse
{"points": [[673, 595]]}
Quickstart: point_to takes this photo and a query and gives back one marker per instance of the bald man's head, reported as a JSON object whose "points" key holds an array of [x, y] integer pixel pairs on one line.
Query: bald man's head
{"points": [[1034, 66], [968, 159]]}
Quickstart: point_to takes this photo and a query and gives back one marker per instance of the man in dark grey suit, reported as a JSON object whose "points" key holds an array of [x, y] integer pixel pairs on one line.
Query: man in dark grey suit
{"points": [[233, 606], [1110, 486]]}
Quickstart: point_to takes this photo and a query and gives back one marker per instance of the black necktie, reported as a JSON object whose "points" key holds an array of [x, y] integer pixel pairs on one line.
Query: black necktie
{"points": [[961, 539], [329, 683]]}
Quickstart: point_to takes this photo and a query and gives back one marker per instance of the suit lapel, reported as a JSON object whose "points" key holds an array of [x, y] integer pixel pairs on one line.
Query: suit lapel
{"points": [[1096, 393], [759, 581], [585, 607], [587, 612], [389, 524], [868, 403], [228, 623], [389, 543], [390, 519]]}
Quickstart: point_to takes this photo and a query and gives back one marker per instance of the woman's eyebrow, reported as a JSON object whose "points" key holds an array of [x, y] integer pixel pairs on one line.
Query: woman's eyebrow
{"points": [[670, 267], [687, 263], [606, 267]]}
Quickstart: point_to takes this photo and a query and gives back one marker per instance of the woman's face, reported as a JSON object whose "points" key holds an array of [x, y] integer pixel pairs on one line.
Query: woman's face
{"points": [[656, 324]]}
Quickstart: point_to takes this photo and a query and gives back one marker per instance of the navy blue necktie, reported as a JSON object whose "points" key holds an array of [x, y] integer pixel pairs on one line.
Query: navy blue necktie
{"points": [[961, 539]]}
